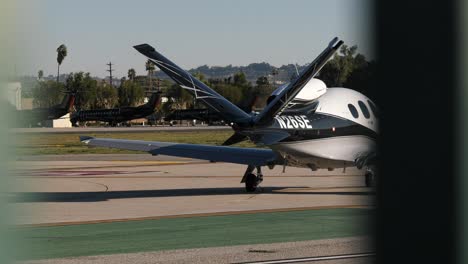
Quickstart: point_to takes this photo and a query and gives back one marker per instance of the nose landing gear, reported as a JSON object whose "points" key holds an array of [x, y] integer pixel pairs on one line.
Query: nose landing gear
{"points": [[370, 177], [368, 162], [251, 179]]}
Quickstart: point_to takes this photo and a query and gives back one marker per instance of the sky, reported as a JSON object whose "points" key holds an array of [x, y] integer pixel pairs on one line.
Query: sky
{"points": [[190, 33]]}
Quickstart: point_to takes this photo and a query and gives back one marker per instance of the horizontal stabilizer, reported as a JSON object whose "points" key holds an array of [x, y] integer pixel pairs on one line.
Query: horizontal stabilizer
{"points": [[234, 139], [85, 138]]}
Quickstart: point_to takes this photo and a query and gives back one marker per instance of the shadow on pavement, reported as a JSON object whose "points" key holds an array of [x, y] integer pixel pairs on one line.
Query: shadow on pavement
{"points": [[27, 197]]}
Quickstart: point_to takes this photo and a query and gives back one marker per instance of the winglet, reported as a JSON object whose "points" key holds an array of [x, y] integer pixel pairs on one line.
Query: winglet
{"points": [[85, 139]]}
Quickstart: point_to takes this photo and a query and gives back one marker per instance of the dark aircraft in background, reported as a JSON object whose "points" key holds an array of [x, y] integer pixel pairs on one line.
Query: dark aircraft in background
{"points": [[202, 115], [33, 117], [206, 115], [305, 124], [117, 115]]}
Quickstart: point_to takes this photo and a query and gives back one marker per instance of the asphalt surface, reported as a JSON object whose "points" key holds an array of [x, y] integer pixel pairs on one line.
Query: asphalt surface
{"points": [[79, 189], [89, 189]]}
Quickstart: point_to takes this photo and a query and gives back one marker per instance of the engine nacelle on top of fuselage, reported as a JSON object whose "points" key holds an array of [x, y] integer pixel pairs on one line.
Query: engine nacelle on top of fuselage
{"points": [[312, 90]]}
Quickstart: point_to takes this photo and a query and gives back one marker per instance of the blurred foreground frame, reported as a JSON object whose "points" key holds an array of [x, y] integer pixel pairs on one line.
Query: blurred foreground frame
{"points": [[416, 91], [10, 246]]}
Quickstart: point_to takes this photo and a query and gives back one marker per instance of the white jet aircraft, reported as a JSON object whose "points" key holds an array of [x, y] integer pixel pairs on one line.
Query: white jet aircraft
{"points": [[304, 124]]}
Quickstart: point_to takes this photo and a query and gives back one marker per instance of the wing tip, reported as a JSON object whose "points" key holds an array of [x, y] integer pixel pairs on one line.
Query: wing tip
{"points": [[335, 43], [144, 48], [85, 139]]}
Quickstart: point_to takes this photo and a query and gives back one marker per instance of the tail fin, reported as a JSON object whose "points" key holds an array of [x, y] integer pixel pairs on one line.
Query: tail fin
{"points": [[229, 111], [154, 100], [249, 107], [276, 106], [68, 101]]}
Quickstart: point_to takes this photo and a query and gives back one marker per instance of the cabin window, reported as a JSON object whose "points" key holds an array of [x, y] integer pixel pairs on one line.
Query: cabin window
{"points": [[373, 108], [364, 109], [353, 110]]}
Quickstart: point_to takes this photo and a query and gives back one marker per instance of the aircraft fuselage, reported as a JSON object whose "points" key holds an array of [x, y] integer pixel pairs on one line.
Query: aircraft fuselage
{"points": [[332, 131], [116, 115]]}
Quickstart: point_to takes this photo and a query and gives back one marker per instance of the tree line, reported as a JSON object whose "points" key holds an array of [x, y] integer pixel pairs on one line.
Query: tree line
{"points": [[346, 69], [90, 93]]}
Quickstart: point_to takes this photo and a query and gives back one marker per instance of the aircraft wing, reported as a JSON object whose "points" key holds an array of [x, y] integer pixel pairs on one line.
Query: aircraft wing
{"points": [[248, 156], [229, 111]]}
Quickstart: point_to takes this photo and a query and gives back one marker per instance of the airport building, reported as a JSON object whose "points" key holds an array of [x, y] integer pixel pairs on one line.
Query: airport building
{"points": [[63, 121], [14, 94]]}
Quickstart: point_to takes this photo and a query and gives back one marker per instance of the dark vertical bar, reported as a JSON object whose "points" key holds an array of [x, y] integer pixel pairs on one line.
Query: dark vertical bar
{"points": [[462, 131], [415, 91]]}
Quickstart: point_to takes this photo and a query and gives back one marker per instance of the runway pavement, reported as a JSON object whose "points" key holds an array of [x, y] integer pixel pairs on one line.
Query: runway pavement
{"points": [[79, 189], [95, 189]]}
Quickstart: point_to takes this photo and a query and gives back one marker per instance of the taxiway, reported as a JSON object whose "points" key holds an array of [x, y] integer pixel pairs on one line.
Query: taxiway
{"points": [[80, 190]]}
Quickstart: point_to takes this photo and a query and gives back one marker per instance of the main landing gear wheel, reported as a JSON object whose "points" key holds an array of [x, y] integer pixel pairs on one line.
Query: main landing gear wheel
{"points": [[251, 179], [251, 182]]}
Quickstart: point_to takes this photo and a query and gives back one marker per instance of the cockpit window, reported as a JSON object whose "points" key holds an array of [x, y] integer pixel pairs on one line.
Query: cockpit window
{"points": [[353, 110], [364, 109], [373, 108]]}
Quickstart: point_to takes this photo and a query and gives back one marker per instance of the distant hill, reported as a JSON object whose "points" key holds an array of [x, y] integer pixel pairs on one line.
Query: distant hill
{"points": [[252, 72]]}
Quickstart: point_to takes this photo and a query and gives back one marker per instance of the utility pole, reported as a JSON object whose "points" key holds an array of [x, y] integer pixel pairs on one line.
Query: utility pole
{"points": [[110, 70]]}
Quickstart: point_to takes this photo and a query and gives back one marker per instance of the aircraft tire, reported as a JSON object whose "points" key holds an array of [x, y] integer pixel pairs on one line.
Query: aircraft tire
{"points": [[251, 182]]}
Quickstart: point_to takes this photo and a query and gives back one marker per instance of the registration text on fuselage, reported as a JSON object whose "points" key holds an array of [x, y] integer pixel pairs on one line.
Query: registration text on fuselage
{"points": [[293, 122]]}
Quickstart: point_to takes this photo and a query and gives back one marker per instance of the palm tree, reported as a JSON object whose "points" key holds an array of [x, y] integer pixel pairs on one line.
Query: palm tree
{"points": [[131, 74], [61, 54], [150, 67], [40, 74]]}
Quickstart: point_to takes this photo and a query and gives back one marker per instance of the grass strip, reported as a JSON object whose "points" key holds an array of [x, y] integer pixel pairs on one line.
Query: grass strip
{"points": [[196, 232], [62, 144]]}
